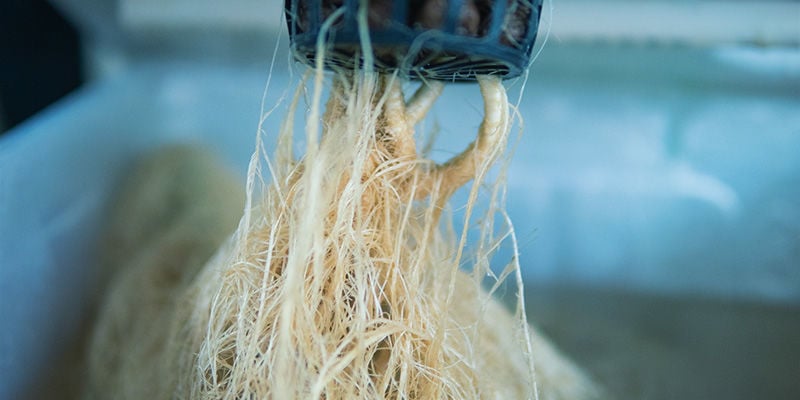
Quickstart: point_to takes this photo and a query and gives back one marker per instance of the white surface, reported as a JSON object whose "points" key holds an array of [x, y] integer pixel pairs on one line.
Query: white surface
{"points": [[57, 173], [632, 173], [230, 14], [695, 22], [698, 22]]}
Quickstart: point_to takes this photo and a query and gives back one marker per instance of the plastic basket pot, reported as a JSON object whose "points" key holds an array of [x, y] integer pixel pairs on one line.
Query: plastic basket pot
{"points": [[450, 40]]}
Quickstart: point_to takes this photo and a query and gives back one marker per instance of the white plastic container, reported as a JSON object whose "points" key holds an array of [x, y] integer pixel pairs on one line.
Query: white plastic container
{"points": [[666, 171]]}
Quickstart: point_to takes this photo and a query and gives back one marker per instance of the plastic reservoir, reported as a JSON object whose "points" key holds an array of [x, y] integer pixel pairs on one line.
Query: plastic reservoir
{"points": [[655, 195]]}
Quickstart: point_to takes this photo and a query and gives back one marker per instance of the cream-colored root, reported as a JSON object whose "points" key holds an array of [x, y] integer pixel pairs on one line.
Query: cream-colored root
{"points": [[336, 285]]}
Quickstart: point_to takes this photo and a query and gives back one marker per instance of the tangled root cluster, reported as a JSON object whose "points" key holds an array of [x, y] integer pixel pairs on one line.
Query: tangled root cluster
{"points": [[338, 283]]}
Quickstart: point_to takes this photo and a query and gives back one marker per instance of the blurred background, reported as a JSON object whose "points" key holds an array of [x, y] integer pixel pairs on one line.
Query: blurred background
{"points": [[655, 189]]}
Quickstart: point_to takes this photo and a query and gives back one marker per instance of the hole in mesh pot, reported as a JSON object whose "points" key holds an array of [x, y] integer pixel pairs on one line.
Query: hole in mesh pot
{"points": [[328, 8], [515, 23], [474, 16], [379, 14], [297, 17], [304, 22]]}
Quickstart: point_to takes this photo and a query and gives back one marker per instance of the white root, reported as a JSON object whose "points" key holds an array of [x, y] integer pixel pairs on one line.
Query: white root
{"points": [[479, 154], [422, 101]]}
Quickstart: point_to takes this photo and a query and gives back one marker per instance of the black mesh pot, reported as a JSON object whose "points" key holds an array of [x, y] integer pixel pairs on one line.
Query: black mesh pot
{"points": [[451, 40]]}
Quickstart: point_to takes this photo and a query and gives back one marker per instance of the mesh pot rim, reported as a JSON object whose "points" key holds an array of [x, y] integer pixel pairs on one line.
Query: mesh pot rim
{"points": [[400, 44]]}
